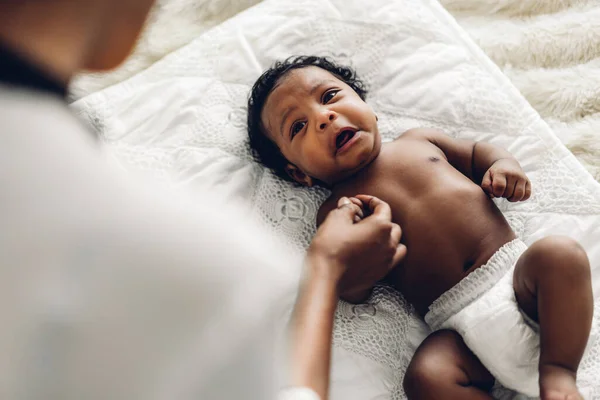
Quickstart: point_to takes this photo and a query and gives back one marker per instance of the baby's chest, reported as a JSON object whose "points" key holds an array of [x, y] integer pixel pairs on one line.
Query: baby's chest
{"points": [[408, 172], [409, 178]]}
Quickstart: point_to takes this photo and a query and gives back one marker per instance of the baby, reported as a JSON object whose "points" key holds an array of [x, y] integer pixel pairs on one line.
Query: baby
{"points": [[498, 309]]}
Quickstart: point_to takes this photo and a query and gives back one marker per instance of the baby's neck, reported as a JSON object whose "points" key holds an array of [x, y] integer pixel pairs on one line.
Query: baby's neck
{"points": [[355, 176]]}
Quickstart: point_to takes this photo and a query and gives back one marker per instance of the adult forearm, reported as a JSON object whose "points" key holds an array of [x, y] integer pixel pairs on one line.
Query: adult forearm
{"points": [[312, 329], [344, 257], [484, 156]]}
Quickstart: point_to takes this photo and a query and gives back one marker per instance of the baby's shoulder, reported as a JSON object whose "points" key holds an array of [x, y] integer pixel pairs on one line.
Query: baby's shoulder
{"points": [[416, 142], [419, 134], [410, 142]]}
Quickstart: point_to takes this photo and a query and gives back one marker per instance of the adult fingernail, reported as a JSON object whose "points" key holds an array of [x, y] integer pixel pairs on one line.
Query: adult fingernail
{"points": [[343, 202]]}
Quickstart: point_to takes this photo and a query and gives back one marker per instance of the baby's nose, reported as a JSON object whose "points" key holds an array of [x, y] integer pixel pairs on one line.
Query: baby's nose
{"points": [[330, 117]]}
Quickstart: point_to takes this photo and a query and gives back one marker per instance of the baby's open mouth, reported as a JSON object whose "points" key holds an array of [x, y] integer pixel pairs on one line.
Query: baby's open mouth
{"points": [[343, 137]]}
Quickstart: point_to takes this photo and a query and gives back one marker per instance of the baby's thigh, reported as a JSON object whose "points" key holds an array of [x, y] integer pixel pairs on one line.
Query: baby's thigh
{"points": [[444, 358], [554, 258]]}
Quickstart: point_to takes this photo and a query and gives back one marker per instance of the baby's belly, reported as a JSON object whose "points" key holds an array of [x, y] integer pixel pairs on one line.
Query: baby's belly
{"points": [[447, 236]]}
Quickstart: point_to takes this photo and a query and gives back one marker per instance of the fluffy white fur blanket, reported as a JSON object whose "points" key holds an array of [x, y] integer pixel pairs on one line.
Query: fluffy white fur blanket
{"points": [[550, 50]]}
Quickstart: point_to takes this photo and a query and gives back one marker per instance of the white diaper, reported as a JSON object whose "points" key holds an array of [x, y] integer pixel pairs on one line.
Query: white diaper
{"points": [[483, 309]]}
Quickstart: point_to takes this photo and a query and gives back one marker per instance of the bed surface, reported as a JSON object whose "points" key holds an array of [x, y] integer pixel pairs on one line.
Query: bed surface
{"points": [[184, 118]]}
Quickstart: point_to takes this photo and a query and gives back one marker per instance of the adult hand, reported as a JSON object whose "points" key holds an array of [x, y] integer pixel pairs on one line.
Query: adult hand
{"points": [[356, 246]]}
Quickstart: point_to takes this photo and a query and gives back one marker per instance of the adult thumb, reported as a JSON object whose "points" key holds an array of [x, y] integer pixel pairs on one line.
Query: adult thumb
{"points": [[348, 210]]}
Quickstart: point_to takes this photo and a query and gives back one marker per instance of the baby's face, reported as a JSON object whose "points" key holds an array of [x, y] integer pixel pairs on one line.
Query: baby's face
{"points": [[321, 126]]}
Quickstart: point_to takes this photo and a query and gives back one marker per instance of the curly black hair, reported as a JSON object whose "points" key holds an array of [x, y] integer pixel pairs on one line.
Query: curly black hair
{"points": [[263, 148]]}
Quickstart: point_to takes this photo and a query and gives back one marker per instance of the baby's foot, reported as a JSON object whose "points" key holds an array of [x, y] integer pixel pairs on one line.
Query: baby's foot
{"points": [[558, 383]]}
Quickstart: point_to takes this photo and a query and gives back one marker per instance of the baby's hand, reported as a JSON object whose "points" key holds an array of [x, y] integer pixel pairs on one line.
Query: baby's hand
{"points": [[362, 212], [505, 178]]}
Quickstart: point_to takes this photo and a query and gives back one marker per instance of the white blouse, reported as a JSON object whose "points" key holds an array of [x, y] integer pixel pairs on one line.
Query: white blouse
{"points": [[110, 290]]}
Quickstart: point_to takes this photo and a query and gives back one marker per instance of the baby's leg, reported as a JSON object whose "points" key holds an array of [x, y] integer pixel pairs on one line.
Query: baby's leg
{"points": [[444, 368], [552, 284]]}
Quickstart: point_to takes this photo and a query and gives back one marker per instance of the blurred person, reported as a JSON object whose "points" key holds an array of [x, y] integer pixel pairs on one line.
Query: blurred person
{"points": [[112, 291]]}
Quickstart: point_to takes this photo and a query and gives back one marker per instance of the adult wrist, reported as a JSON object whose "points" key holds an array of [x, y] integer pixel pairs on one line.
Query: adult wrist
{"points": [[323, 269]]}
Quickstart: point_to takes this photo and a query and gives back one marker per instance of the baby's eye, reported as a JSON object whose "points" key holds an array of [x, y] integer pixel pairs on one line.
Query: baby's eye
{"points": [[296, 128], [329, 95]]}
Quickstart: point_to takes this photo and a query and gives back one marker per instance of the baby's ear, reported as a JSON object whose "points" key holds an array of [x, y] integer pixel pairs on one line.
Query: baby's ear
{"points": [[296, 174]]}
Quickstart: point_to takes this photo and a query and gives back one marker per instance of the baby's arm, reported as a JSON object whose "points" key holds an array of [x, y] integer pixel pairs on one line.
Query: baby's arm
{"points": [[490, 166]]}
